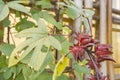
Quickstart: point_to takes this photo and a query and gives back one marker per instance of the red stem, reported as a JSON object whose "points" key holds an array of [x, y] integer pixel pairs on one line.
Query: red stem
{"points": [[96, 68]]}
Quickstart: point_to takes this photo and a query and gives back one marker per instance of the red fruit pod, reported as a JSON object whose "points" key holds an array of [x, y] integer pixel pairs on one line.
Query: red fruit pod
{"points": [[78, 52], [84, 39], [102, 50]]}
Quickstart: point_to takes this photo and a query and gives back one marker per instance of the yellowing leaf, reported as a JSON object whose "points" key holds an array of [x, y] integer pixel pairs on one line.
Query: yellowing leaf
{"points": [[60, 67]]}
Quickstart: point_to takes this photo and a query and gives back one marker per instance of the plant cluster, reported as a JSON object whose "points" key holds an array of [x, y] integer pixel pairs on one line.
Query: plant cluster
{"points": [[96, 52], [45, 52]]}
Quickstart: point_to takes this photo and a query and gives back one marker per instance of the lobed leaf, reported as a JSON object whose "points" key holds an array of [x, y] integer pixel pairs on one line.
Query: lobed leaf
{"points": [[34, 42], [16, 56]]}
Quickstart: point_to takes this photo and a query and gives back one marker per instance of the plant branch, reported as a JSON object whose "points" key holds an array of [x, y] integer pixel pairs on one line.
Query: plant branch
{"points": [[71, 29], [8, 36], [96, 68]]}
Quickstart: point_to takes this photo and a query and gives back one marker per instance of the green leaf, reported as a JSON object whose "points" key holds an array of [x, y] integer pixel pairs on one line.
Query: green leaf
{"points": [[6, 49], [24, 24], [27, 58], [4, 11], [50, 18], [36, 59], [19, 68], [72, 12], [66, 30], [9, 72], [81, 69], [44, 3], [3, 62], [60, 67], [1, 2], [85, 21], [17, 14], [84, 62], [64, 43], [63, 77], [16, 6], [26, 72], [65, 47], [79, 75], [47, 61], [35, 14], [47, 17], [88, 13], [45, 76], [34, 32], [19, 77], [42, 26], [16, 55], [61, 4], [31, 32], [34, 75], [1, 76], [54, 42], [6, 22]]}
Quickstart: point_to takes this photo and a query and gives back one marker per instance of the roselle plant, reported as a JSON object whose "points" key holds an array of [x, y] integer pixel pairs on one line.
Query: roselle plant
{"points": [[97, 53], [47, 53]]}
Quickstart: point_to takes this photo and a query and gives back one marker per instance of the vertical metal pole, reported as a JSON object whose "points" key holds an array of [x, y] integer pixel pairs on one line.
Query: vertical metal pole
{"points": [[89, 4], [103, 29], [109, 36]]}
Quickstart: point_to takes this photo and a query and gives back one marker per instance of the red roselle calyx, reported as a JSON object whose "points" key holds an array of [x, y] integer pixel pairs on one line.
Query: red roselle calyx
{"points": [[78, 52], [84, 39], [102, 51]]}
